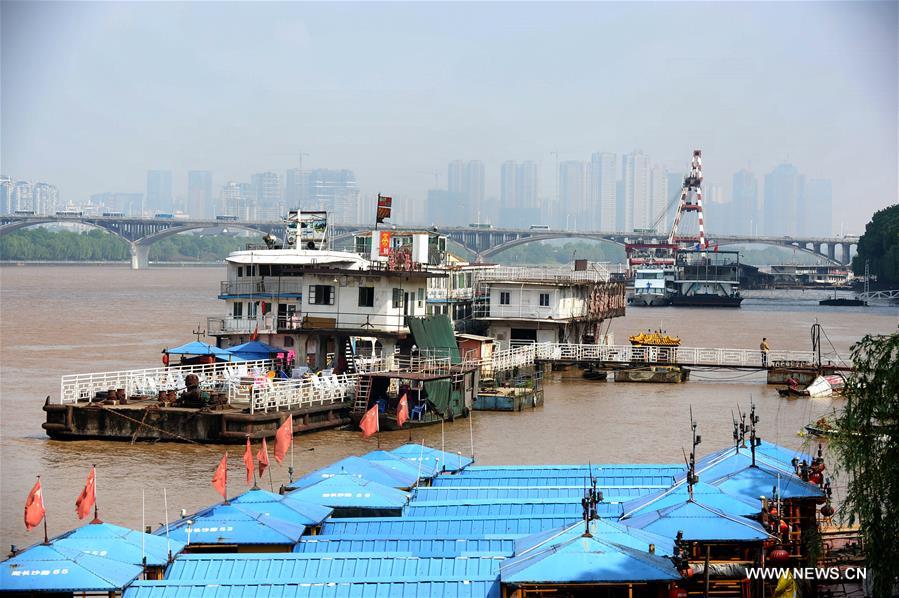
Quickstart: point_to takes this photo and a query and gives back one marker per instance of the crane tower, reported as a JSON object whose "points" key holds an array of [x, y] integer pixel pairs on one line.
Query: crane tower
{"points": [[689, 209]]}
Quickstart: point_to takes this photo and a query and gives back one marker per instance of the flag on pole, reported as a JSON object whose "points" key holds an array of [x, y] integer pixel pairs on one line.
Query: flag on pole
{"points": [[384, 208], [220, 479], [262, 457], [88, 496], [402, 411], [283, 439], [248, 461], [34, 507], [369, 422]]}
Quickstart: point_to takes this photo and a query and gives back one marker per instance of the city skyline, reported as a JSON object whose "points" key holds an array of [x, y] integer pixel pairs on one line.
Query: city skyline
{"points": [[94, 121]]}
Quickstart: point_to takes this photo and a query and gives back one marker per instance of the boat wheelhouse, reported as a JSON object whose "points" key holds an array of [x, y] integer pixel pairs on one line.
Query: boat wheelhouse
{"points": [[707, 278]]}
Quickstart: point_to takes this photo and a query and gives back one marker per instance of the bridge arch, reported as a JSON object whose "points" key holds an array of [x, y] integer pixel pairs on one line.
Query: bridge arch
{"points": [[548, 236]]}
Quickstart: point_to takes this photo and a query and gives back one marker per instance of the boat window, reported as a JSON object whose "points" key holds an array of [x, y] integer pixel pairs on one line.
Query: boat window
{"points": [[504, 298], [397, 298], [366, 296], [544, 299], [238, 310], [240, 271], [321, 294]]}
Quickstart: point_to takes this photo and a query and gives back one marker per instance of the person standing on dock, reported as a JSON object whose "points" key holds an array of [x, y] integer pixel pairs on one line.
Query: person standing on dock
{"points": [[764, 349]]}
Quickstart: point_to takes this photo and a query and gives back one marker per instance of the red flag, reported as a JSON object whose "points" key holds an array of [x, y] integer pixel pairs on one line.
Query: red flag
{"points": [[369, 422], [34, 507], [220, 479], [88, 496], [262, 457], [248, 461], [283, 438], [402, 411]]}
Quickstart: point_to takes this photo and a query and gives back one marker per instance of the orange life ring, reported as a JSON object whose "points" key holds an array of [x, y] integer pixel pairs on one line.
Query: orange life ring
{"points": [[165, 359]]}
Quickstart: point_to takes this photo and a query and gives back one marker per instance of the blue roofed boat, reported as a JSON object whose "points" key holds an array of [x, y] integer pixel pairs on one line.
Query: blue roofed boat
{"points": [[48, 568], [120, 544], [520, 493], [506, 508], [425, 546], [334, 568], [352, 496], [698, 523], [703, 493], [432, 461], [587, 553], [446, 527], [396, 463], [286, 507], [372, 471], [235, 527], [278, 588], [635, 481], [583, 470]]}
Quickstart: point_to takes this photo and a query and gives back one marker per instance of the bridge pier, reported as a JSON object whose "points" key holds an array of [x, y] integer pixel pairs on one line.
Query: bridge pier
{"points": [[140, 256], [845, 259], [832, 251]]}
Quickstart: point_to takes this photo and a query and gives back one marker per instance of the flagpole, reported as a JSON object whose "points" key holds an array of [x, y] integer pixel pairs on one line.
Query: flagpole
{"points": [[165, 501], [471, 431], [255, 486], [143, 527], [271, 482], [290, 469], [377, 203], [46, 537], [96, 508]]}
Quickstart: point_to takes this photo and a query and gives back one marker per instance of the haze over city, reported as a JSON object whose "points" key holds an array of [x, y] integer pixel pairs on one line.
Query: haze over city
{"points": [[395, 92]]}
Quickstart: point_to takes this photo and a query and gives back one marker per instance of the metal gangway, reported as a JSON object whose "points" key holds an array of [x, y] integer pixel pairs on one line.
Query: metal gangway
{"points": [[889, 295]]}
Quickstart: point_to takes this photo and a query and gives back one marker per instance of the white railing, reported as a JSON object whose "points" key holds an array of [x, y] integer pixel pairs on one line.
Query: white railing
{"points": [[273, 286], [264, 324], [674, 355], [149, 382], [595, 272], [273, 395]]}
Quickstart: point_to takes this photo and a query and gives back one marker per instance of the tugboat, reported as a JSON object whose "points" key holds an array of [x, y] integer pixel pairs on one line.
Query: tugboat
{"points": [[707, 279]]}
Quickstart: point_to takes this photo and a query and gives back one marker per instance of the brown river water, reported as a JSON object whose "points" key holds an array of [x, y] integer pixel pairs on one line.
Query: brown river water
{"points": [[70, 319]]}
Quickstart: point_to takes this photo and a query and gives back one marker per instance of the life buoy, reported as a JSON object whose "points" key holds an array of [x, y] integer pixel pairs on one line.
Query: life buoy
{"points": [[165, 359]]}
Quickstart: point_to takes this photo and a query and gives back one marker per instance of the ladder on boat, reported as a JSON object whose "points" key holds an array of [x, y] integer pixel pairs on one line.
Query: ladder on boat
{"points": [[363, 390]]}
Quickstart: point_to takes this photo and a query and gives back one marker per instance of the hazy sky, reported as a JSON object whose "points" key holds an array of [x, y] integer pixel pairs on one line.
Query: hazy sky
{"points": [[94, 94]]}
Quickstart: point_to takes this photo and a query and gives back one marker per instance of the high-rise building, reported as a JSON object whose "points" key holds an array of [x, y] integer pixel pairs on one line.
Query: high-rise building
{"points": [[22, 197], [783, 190], [45, 198], [159, 192], [817, 208], [128, 204], [717, 210], [603, 180], [574, 183], [267, 195], [295, 187], [475, 184], [6, 189], [455, 176], [745, 199], [519, 187], [635, 179], [337, 192], [236, 200], [659, 198], [199, 194]]}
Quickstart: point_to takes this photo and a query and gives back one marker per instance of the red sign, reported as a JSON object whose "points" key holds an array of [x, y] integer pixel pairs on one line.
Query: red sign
{"points": [[383, 243]]}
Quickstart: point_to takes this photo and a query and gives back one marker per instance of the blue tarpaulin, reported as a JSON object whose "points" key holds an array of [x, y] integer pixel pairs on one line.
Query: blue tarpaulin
{"points": [[255, 350], [120, 543], [45, 568]]}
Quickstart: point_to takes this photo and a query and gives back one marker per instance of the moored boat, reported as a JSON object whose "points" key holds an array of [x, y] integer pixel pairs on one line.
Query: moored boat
{"points": [[666, 374]]}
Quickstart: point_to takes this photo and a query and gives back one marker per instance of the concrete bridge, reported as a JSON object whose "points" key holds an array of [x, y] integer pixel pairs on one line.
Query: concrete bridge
{"points": [[141, 233]]}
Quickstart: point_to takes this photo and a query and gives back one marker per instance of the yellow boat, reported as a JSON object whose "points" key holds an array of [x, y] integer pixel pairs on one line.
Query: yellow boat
{"points": [[654, 339]]}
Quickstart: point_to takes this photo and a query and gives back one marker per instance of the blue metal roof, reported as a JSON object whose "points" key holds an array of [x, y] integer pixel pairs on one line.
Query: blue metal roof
{"points": [[420, 546], [349, 491], [45, 568], [635, 481], [506, 508], [698, 522], [734, 473], [586, 469], [282, 506], [330, 567], [289, 589], [608, 530], [397, 463], [573, 557], [372, 471], [432, 460], [119, 543], [448, 527], [520, 493], [234, 524], [703, 493]]}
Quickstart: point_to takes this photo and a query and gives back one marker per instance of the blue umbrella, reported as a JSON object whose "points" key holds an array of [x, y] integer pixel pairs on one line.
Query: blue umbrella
{"points": [[200, 348], [47, 568], [254, 350]]}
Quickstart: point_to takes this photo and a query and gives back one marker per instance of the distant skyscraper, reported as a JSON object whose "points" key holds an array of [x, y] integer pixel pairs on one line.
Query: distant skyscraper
{"points": [[635, 179], [267, 195], [129, 204], [519, 187], [45, 198], [475, 183], [199, 194], [817, 210], [745, 198], [658, 197], [574, 184], [717, 210], [603, 180], [159, 192], [455, 176], [295, 187], [236, 200], [6, 189], [336, 192], [783, 189], [22, 198]]}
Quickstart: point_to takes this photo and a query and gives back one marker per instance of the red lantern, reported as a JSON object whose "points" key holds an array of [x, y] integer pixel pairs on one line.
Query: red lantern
{"points": [[165, 359], [827, 510], [778, 555], [784, 528], [815, 478]]}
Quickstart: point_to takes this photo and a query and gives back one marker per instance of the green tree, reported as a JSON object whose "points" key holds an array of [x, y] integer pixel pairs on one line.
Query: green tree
{"points": [[867, 449], [879, 246]]}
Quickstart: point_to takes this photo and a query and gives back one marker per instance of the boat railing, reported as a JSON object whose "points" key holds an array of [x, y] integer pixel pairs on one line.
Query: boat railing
{"points": [[424, 363], [274, 395], [672, 355], [223, 376]]}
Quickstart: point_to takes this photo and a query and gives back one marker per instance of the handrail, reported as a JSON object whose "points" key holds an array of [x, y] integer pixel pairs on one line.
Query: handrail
{"points": [[76, 387], [273, 395]]}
